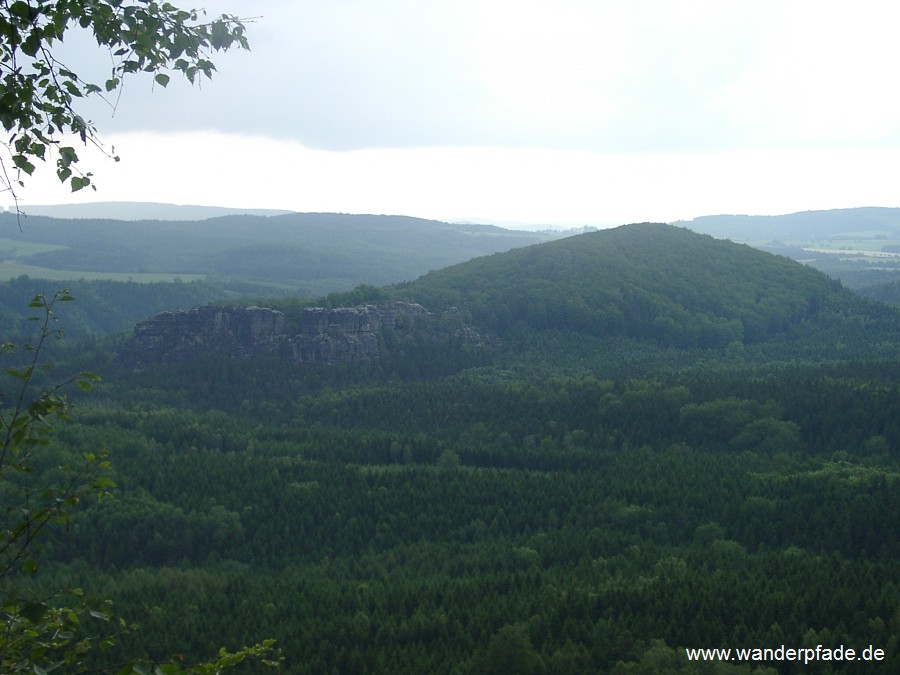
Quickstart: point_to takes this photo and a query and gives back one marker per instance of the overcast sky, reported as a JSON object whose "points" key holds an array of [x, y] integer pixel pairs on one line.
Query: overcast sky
{"points": [[554, 113]]}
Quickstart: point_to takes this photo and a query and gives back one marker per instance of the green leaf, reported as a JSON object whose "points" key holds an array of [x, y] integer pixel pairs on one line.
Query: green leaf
{"points": [[22, 163], [32, 43], [162, 79], [35, 611], [19, 375], [72, 88], [21, 10], [79, 182], [67, 155]]}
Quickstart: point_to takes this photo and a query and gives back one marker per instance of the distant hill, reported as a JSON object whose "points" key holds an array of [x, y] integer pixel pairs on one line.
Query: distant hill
{"points": [[298, 253], [861, 247], [806, 226], [647, 281], [141, 211]]}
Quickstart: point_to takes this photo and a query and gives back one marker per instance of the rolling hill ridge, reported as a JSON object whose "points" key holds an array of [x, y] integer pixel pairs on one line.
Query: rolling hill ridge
{"points": [[647, 281], [658, 284], [296, 253]]}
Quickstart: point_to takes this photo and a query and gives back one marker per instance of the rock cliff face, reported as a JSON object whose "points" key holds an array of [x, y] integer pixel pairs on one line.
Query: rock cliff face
{"points": [[171, 337], [340, 335], [351, 333]]}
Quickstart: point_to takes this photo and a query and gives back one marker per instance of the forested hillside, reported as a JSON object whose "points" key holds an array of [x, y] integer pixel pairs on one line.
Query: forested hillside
{"points": [[296, 253], [104, 307], [665, 441], [858, 246], [653, 282], [804, 226], [121, 210]]}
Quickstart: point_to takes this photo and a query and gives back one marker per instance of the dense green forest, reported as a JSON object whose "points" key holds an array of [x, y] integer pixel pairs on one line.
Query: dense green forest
{"points": [[104, 307], [296, 253], [666, 441], [858, 246]]}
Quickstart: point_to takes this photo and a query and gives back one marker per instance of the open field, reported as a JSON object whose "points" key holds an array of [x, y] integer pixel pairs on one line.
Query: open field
{"points": [[860, 246], [19, 248], [862, 252], [11, 270]]}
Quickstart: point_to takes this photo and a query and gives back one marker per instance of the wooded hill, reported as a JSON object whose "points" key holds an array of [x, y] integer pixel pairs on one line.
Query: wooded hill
{"points": [[296, 253], [653, 286], [858, 246], [806, 226], [651, 282], [142, 211], [104, 308], [667, 441]]}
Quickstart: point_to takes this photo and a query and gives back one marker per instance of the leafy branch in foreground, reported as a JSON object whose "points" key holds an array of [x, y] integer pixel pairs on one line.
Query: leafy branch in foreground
{"points": [[39, 93], [38, 632], [26, 426], [58, 631]]}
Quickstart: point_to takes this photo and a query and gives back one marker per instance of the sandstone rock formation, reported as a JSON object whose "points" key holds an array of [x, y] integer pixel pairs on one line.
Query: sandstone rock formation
{"points": [[339, 335]]}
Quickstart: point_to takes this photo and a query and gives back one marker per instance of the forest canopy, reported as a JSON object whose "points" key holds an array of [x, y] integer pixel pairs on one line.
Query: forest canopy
{"points": [[567, 500], [390, 524]]}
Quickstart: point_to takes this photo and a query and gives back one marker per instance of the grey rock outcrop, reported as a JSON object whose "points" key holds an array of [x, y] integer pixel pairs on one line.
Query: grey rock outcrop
{"points": [[171, 337], [347, 334], [340, 335]]}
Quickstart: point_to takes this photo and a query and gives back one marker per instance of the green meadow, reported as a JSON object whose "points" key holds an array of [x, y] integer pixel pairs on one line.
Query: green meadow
{"points": [[11, 270]]}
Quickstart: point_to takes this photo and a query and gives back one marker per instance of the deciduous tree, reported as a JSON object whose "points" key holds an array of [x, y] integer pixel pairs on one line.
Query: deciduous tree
{"points": [[40, 95]]}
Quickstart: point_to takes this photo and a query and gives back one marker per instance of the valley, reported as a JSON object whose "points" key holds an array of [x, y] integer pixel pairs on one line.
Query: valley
{"points": [[659, 441]]}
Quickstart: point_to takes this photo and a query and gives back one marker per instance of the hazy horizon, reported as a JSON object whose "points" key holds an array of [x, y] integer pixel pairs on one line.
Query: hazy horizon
{"points": [[524, 113]]}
